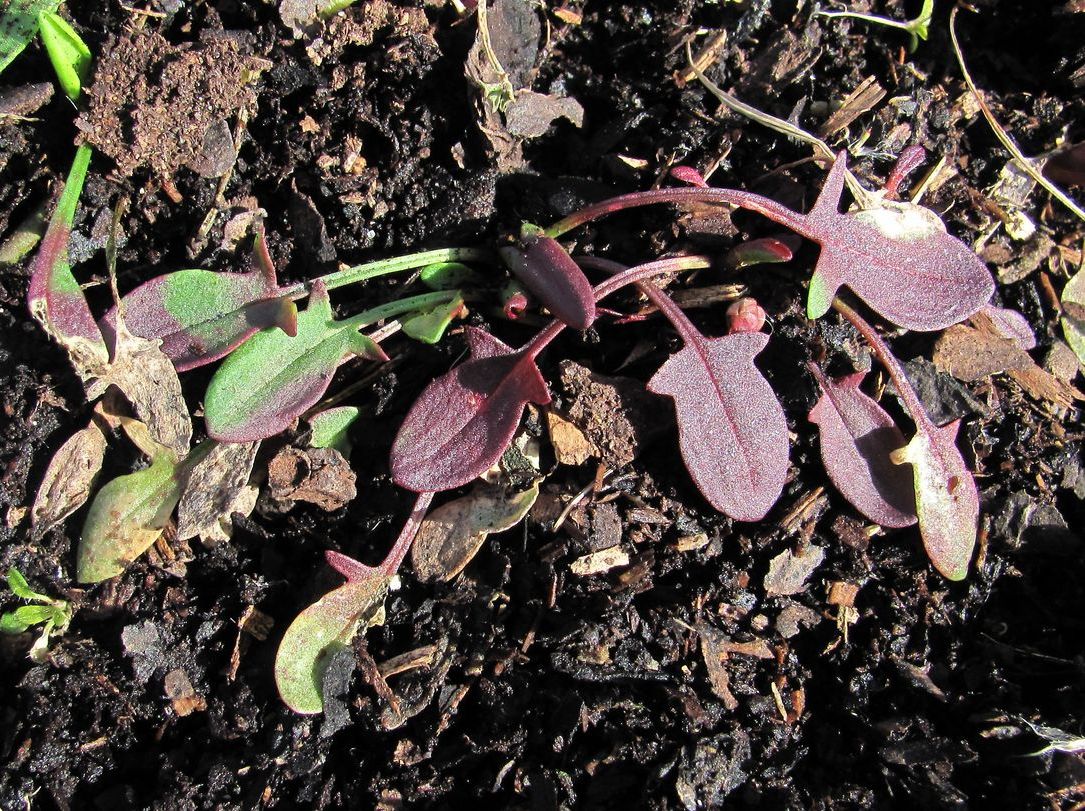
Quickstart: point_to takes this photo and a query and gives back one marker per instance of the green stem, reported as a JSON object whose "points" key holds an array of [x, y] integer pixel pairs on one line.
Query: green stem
{"points": [[908, 25], [383, 267], [399, 307]]}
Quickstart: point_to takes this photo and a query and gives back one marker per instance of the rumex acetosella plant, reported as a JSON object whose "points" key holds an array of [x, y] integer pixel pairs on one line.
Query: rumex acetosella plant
{"points": [[278, 362]]}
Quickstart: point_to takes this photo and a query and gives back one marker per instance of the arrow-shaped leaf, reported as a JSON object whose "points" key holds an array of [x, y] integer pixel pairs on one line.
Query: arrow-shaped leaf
{"points": [[897, 258], [330, 622], [202, 316], [463, 421], [947, 500], [731, 428], [274, 378], [857, 438]]}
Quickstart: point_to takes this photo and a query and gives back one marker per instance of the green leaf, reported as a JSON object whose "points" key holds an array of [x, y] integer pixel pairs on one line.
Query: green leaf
{"points": [[819, 297], [449, 276], [947, 501], [272, 378], [70, 56], [329, 623], [20, 588], [429, 326], [330, 428], [18, 24], [919, 27], [26, 616], [1073, 315], [127, 516]]}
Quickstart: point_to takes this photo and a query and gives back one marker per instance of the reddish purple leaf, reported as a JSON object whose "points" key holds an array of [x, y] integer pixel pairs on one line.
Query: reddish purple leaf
{"points": [[897, 258], [857, 437], [544, 268], [910, 159], [689, 176], [55, 298], [201, 316], [731, 428], [463, 421]]}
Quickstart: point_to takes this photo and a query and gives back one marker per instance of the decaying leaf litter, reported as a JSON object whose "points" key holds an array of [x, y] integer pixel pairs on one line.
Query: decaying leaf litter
{"points": [[579, 628]]}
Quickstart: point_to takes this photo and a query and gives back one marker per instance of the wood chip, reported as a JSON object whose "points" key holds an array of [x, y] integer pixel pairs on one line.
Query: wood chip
{"points": [[180, 692], [863, 98], [419, 658], [598, 562], [842, 593], [571, 445], [789, 571]]}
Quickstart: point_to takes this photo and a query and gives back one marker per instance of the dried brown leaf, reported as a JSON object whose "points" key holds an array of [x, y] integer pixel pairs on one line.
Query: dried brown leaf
{"points": [[69, 479], [789, 571], [149, 382], [452, 534], [213, 490]]}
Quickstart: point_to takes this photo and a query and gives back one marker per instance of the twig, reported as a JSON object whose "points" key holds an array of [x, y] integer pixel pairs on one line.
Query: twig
{"points": [[1003, 136]]}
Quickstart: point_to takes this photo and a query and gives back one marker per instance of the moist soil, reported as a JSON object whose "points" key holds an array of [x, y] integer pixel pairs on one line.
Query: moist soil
{"points": [[680, 678]]}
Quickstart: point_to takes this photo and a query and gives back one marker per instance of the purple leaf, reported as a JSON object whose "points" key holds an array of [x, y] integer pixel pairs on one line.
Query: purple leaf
{"points": [[689, 176], [731, 428], [857, 437], [544, 268], [897, 258], [55, 298], [201, 315], [463, 421]]}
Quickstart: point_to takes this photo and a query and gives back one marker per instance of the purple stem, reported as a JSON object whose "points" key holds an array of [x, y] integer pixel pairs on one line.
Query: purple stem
{"points": [[892, 365], [733, 197], [633, 275], [352, 570], [664, 303]]}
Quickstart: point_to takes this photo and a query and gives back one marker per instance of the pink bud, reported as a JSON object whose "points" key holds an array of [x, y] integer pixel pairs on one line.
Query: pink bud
{"points": [[745, 315], [689, 176]]}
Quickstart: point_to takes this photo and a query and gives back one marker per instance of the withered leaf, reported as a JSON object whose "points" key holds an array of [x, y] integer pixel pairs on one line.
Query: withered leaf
{"points": [[213, 488], [452, 534], [69, 479]]}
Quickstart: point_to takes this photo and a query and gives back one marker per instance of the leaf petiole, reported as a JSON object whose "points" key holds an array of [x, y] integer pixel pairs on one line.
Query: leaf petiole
{"points": [[384, 267], [423, 301]]}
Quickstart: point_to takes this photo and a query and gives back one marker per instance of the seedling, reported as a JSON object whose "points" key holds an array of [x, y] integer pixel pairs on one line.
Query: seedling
{"points": [[917, 28], [53, 615], [70, 56]]}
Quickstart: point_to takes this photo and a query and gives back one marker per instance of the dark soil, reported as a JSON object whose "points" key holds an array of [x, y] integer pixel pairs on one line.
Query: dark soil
{"points": [[675, 680]]}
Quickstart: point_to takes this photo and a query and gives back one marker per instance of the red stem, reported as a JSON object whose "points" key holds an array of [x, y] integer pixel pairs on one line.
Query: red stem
{"points": [[664, 303], [633, 275], [896, 372], [732, 197], [353, 571]]}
